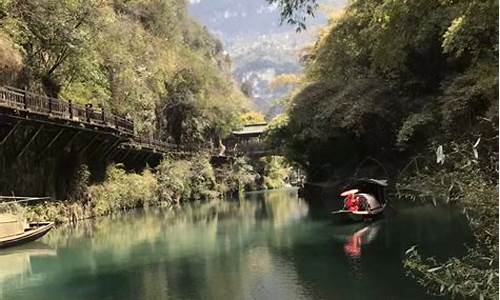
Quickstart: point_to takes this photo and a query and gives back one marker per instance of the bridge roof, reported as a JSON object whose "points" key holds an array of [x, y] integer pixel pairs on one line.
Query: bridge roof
{"points": [[251, 130]]}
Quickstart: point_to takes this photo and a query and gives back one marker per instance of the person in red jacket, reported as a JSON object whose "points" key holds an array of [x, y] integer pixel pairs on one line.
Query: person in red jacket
{"points": [[351, 200]]}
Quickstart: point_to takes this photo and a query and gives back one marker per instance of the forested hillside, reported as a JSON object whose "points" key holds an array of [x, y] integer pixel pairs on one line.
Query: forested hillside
{"points": [[410, 87], [142, 58], [392, 78]]}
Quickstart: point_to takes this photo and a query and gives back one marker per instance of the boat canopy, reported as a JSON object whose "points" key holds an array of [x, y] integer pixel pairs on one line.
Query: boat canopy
{"points": [[375, 187], [381, 182], [349, 192]]}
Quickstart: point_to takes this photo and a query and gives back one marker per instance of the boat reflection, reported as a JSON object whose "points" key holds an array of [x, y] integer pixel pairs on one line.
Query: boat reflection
{"points": [[16, 262], [364, 236]]}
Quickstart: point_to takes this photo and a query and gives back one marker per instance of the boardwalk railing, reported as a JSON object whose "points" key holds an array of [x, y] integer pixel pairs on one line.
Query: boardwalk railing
{"points": [[155, 145], [21, 100], [57, 108]]}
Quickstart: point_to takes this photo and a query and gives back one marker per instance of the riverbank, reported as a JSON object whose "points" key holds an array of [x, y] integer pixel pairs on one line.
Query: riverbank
{"points": [[173, 182], [119, 191]]}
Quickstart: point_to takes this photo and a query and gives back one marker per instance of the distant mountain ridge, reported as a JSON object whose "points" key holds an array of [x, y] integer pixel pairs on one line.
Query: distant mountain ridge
{"points": [[259, 47]]}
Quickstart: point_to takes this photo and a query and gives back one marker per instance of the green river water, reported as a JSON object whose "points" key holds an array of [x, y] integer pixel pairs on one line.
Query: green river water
{"points": [[271, 245]]}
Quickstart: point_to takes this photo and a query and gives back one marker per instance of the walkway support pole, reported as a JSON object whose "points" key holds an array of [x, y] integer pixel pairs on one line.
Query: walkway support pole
{"points": [[30, 141], [89, 144], [110, 149], [11, 131], [71, 139], [49, 144]]}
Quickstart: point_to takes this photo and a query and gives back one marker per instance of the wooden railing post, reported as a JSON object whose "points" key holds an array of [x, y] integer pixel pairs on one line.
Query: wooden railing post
{"points": [[103, 117], [88, 108], [116, 122], [25, 98], [50, 105], [70, 109]]}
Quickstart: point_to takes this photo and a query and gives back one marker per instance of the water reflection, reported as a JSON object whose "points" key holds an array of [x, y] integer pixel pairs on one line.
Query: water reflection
{"points": [[366, 235], [16, 263], [265, 247]]}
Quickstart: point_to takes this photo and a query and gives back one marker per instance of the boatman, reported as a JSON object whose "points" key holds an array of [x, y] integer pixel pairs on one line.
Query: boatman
{"points": [[351, 202]]}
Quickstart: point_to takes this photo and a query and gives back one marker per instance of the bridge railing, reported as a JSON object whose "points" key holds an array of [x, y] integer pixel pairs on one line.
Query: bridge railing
{"points": [[155, 144], [24, 100], [67, 110]]}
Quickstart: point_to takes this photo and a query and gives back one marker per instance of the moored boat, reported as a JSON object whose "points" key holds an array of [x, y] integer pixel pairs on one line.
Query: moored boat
{"points": [[13, 232], [364, 200]]}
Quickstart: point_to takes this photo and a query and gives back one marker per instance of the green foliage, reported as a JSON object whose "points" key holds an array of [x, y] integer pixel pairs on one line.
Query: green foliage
{"points": [[277, 132], [119, 191], [413, 124], [174, 181], [252, 117], [129, 57], [54, 38], [185, 180], [462, 182], [458, 277], [10, 60], [236, 177], [390, 77], [58, 212], [472, 32], [275, 173], [79, 183], [122, 190], [295, 12]]}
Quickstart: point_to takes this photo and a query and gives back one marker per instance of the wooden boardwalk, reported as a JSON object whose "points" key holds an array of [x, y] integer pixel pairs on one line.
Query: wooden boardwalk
{"points": [[95, 132], [113, 134]]}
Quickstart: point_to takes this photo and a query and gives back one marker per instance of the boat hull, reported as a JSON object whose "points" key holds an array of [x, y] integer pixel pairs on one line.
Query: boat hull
{"points": [[36, 231], [359, 216]]}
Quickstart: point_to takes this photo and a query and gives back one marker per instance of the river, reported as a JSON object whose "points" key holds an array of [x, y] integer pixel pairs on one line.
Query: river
{"points": [[272, 245]]}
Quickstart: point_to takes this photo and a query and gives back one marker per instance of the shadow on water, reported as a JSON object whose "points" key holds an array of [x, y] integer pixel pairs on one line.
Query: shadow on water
{"points": [[271, 245]]}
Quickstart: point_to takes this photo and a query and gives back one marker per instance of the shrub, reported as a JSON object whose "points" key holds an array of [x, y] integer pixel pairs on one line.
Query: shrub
{"points": [[186, 179], [236, 177], [276, 172], [462, 181], [122, 190]]}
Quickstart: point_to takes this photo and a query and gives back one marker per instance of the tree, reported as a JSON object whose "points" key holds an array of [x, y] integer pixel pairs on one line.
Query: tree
{"points": [[10, 61], [295, 12], [53, 34], [252, 117], [179, 107]]}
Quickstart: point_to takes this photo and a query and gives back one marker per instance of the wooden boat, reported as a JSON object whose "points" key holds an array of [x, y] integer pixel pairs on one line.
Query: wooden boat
{"points": [[14, 230], [370, 192], [33, 231], [360, 215]]}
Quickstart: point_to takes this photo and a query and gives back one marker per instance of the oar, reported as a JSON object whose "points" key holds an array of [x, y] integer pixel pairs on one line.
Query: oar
{"points": [[339, 212], [27, 199]]}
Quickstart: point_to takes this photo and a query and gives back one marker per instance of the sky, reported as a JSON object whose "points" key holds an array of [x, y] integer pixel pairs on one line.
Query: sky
{"points": [[232, 20]]}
